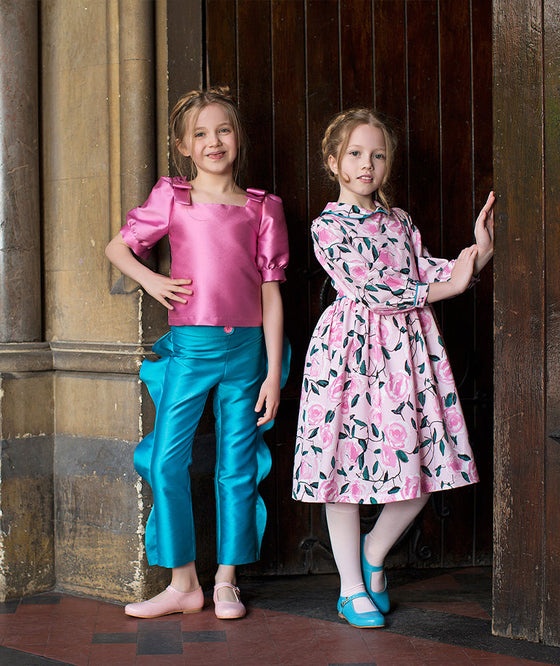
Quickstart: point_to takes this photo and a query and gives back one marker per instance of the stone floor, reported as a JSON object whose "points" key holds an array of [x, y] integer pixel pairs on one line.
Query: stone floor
{"points": [[438, 617]]}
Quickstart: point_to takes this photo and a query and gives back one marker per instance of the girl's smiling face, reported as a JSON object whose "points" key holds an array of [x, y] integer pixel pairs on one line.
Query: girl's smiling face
{"points": [[211, 142], [361, 169]]}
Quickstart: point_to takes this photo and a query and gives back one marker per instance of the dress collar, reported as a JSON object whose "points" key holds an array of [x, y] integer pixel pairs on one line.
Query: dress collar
{"points": [[352, 211]]}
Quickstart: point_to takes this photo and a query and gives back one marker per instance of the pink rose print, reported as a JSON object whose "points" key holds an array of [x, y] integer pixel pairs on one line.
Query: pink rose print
{"points": [[443, 370], [345, 402], [456, 464], [326, 237], [377, 411], [326, 435], [386, 258], [397, 386], [410, 487], [359, 272], [384, 333], [353, 450], [453, 420], [308, 468], [328, 492], [377, 354], [396, 435], [315, 415], [356, 491], [336, 334], [314, 369], [393, 282], [425, 320], [388, 458], [335, 389]]}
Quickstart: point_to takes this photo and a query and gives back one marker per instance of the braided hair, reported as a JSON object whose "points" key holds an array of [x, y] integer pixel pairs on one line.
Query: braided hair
{"points": [[337, 136]]}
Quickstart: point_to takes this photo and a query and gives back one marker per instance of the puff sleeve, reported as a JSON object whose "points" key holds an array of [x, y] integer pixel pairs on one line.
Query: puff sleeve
{"points": [[147, 224], [272, 241]]}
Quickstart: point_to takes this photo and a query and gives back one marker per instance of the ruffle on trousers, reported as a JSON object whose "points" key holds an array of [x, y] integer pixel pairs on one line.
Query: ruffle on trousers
{"points": [[152, 373]]}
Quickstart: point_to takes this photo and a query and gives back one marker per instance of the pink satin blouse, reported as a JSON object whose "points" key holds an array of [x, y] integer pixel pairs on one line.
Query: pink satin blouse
{"points": [[227, 251]]}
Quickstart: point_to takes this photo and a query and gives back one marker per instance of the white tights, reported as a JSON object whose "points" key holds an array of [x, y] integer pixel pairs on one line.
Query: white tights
{"points": [[343, 521]]}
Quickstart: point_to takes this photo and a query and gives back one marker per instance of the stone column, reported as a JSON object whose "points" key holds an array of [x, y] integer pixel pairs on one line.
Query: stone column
{"points": [[20, 259], [26, 414]]}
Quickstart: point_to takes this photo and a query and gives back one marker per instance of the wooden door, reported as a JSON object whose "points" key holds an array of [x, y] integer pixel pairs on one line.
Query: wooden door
{"points": [[426, 64], [527, 320]]}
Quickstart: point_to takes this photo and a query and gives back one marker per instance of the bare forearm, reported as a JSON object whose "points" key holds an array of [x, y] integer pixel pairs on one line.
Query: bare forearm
{"points": [[273, 327], [440, 291], [121, 256]]}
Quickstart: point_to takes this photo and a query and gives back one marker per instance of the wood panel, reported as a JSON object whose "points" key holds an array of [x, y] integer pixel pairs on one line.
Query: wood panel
{"points": [[390, 84], [519, 312], [551, 629], [356, 56], [427, 66]]}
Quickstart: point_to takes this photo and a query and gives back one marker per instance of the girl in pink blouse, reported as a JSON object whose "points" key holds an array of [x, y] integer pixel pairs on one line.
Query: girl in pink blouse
{"points": [[229, 250]]}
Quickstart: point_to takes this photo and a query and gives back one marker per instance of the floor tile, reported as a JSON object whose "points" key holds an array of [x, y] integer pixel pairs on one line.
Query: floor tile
{"points": [[438, 617]]}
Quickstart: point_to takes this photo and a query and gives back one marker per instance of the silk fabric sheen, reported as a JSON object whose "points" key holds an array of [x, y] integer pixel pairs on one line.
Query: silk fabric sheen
{"points": [[193, 360], [227, 251]]}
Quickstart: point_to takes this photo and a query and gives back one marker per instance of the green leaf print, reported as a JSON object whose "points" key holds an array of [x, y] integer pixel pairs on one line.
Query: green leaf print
{"points": [[313, 433], [449, 399], [394, 489], [401, 455], [329, 416], [407, 368], [366, 474], [464, 456], [466, 477], [441, 447], [323, 383], [385, 352], [426, 470], [355, 400], [360, 423]]}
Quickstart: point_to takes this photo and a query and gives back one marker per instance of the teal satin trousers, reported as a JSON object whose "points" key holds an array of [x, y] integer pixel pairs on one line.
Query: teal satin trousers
{"points": [[195, 359]]}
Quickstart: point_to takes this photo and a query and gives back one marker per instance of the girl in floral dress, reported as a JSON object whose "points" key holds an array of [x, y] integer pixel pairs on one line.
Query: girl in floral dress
{"points": [[380, 420]]}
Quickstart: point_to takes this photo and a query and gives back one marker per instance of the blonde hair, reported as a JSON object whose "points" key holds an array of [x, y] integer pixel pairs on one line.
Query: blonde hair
{"points": [[337, 136], [184, 116]]}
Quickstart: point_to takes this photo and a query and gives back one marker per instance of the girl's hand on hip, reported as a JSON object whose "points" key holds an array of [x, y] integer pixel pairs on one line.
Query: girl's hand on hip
{"points": [[269, 397], [165, 289]]}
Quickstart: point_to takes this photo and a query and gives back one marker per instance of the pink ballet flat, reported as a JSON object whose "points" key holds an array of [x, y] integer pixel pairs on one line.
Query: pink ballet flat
{"points": [[173, 602], [228, 610]]}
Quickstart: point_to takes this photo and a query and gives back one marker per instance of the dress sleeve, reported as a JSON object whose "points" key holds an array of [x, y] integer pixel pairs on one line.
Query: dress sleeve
{"points": [[146, 224], [272, 241], [430, 269], [382, 289]]}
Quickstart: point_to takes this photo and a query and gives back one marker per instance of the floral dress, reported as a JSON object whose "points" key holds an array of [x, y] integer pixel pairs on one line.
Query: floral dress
{"points": [[379, 418]]}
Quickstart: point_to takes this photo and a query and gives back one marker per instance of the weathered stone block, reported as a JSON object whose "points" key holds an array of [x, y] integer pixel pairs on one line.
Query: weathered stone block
{"points": [[27, 521]]}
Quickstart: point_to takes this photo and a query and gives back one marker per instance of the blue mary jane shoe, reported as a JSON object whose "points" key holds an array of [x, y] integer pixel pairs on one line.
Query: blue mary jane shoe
{"points": [[380, 599], [346, 611]]}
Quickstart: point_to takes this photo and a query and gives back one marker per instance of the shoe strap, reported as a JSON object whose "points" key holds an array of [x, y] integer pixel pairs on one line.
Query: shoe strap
{"points": [[354, 596], [372, 568], [219, 586]]}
